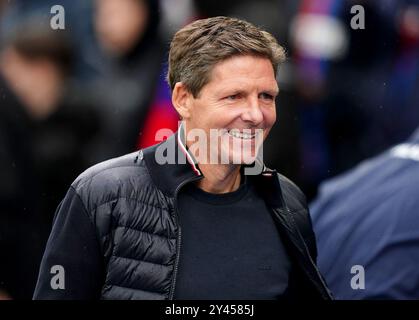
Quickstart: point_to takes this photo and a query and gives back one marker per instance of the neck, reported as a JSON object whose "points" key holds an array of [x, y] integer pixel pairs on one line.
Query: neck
{"points": [[219, 178]]}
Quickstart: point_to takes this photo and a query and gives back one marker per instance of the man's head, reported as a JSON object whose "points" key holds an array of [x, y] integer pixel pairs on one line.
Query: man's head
{"points": [[222, 74], [199, 46], [120, 23], [35, 62]]}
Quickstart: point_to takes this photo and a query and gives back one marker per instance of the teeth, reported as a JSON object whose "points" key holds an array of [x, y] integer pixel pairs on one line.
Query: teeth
{"points": [[240, 135]]}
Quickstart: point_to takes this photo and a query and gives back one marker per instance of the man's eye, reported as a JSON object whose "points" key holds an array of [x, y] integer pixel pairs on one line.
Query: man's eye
{"points": [[233, 97], [266, 96]]}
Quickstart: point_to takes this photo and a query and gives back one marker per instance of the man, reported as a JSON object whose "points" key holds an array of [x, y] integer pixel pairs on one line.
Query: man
{"points": [[42, 130], [194, 226], [125, 58], [367, 227]]}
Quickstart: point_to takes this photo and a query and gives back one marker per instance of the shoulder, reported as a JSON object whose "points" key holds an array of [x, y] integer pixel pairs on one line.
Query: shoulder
{"points": [[118, 177]]}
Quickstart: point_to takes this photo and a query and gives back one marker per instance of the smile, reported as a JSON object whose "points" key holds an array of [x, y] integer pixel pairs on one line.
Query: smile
{"points": [[241, 135]]}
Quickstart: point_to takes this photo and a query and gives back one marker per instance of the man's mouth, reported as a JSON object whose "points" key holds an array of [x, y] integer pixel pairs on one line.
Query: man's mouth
{"points": [[236, 133]]}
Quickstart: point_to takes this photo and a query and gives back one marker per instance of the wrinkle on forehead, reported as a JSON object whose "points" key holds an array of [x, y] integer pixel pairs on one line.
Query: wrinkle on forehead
{"points": [[238, 70]]}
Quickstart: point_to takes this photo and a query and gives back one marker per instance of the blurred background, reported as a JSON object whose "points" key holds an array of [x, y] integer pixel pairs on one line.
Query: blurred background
{"points": [[71, 98]]}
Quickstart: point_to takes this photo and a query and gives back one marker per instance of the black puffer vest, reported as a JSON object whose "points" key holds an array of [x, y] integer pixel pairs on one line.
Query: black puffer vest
{"points": [[132, 203]]}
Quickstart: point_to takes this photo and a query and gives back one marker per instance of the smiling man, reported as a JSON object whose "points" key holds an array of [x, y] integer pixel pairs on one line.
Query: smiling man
{"points": [[196, 227]]}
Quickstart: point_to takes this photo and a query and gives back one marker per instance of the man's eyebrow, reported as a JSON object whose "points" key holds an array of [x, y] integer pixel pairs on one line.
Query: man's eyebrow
{"points": [[241, 90], [225, 91], [273, 92]]}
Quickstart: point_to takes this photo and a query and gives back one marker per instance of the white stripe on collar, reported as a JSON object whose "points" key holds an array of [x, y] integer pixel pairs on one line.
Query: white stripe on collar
{"points": [[191, 161]]}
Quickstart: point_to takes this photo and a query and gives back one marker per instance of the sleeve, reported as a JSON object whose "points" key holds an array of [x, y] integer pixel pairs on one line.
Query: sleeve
{"points": [[72, 264]]}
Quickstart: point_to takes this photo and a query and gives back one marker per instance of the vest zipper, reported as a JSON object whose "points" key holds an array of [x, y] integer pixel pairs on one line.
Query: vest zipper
{"points": [[179, 235]]}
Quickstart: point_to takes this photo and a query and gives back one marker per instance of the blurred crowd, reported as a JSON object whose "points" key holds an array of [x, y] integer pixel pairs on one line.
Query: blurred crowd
{"points": [[95, 90]]}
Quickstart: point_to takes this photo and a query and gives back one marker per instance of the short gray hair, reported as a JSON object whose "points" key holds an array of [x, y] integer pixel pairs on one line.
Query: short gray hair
{"points": [[197, 47]]}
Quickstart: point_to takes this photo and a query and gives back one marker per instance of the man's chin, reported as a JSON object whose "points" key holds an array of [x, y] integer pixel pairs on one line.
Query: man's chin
{"points": [[242, 158]]}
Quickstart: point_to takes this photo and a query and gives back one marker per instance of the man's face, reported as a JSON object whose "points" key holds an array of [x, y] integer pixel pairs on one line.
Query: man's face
{"points": [[120, 24], [240, 98]]}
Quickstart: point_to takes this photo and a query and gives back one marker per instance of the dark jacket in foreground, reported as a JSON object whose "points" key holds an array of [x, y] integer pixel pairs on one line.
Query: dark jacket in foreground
{"points": [[131, 203]]}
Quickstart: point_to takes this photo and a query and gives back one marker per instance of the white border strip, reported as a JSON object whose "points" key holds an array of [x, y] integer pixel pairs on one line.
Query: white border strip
{"points": [[185, 151]]}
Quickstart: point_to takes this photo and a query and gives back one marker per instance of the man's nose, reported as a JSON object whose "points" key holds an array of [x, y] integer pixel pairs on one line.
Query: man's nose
{"points": [[252, 113]]}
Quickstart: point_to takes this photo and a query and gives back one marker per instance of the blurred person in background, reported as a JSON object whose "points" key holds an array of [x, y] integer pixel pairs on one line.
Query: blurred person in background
{"points": [[45, 139], [127, 85], [352, 83], [368, 216], [77, 20], [335, 66]]}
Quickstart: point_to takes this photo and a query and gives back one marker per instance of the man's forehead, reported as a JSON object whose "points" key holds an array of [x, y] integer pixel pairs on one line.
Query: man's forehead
{"points": [[242, 69], [244, 82]]}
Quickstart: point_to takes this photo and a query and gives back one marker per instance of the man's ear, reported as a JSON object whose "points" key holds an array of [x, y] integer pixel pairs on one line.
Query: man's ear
{"points": [[181, 100]]}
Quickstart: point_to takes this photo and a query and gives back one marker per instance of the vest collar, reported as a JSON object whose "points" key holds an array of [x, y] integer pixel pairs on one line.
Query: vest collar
{"points": [[179, 168]]}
